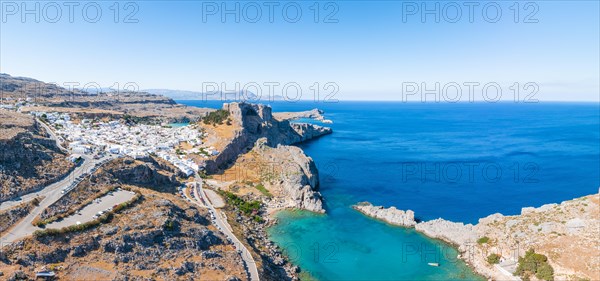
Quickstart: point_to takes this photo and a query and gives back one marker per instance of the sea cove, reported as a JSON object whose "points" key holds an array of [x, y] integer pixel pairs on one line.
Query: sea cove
{"points": [[375, 143]]}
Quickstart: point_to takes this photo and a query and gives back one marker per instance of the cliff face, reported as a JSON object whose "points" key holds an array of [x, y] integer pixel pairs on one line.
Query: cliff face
{"points": [[256, 121]]}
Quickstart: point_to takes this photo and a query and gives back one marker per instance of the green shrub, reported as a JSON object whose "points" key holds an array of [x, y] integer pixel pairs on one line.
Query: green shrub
{"points": [[216, 117], [483, 240], [263, 190], [534, 264], [246, 207], [545, 272], [169, 225], [493, 259], [203, 175]]}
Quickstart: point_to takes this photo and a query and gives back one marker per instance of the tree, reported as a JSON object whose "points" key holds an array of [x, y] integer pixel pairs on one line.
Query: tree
{"points": [[534, 264], [493, 259], [545, 272], [216, 117]]}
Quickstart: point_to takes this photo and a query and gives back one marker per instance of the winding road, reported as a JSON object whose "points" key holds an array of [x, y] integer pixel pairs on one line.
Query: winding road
{"points": [[224, 227]]}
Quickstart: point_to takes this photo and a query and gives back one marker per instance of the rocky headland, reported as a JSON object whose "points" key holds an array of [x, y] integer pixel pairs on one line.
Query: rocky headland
{"points": [[315, 114], [567, 233], [390, 215], [290, 175], [261, 144]]}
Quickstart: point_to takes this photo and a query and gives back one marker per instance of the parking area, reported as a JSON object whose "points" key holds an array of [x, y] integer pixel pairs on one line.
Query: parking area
{"points": [[98, 207], [214, 198]]}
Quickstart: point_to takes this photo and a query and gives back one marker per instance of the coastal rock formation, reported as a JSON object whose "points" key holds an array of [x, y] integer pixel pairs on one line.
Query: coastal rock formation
{"points": [[453, 232], [298, 178], [563, 232], [28, 159], [289, 173], [315, 114], [308, 131], [390, 215], [256, 121]]}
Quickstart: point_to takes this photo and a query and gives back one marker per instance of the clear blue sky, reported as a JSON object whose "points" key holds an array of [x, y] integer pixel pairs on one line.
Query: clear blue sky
{"points": [[368, 53]]}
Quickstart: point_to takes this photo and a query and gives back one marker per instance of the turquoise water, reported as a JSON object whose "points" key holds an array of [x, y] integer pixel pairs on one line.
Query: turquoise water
{"points": [[456, 161], [177, 125]]}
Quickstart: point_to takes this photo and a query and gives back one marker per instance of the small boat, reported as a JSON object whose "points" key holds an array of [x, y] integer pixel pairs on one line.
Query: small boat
{"points": [[433, 264]]}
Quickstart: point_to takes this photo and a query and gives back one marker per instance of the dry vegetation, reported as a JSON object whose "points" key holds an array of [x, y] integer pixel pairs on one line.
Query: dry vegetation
{"points": [[161, 236], [12, 216], [13, 123], [567, 233]]}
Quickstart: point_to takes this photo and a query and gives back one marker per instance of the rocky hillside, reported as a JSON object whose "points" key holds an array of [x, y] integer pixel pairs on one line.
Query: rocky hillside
{"points": [[566, 233], [114, 103], [150, 173], [290, 177], [258, 144], [160, 237], [28, 159], [11, 216]]}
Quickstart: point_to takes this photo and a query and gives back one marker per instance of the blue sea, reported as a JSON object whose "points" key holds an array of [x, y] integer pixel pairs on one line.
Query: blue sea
{"points": [[458, 161]]}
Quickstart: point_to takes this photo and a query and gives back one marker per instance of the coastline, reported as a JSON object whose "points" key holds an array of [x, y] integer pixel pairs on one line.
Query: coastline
{"points": [[490, 236]]}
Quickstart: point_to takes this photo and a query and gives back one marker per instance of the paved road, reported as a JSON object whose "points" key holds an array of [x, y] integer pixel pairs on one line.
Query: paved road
{"points": [[52, 134], [85, 167], [224, 227]]}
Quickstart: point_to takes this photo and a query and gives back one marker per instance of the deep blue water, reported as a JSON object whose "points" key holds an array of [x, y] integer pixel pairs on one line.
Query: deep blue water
{"points": [[456, 161]]}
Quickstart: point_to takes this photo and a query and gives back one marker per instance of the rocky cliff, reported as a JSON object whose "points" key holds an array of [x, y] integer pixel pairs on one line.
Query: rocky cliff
{"points": [[256, 121], [293, 174]]}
